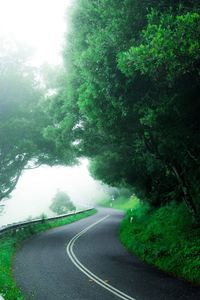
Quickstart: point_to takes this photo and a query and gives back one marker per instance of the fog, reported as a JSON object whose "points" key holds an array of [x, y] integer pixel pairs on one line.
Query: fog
{"points": [[42, 25], [37, 187], [38, 23]]}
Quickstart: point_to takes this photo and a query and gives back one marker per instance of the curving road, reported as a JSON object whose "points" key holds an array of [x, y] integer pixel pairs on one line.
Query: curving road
{"points": [[85, 261]]}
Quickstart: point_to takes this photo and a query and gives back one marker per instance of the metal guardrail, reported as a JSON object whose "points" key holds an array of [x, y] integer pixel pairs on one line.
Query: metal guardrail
{"points": [[13, 226]]}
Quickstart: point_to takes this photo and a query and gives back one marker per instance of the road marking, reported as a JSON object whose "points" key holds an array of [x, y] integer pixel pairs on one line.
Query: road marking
{"points": [[86, 271]]}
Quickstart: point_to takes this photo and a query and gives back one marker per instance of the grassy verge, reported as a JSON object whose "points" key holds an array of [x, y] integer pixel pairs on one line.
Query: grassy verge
{"points": [[121, 203], [10, 242], [166, 238]]}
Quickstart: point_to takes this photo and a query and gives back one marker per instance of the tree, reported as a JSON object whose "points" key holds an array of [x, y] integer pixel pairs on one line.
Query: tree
{"points": [[170, 122], [22, 119], [61, 203], [131, 96]]}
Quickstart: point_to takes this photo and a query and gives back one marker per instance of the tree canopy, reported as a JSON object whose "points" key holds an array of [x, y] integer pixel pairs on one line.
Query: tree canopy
{"points": [[130, 99]]}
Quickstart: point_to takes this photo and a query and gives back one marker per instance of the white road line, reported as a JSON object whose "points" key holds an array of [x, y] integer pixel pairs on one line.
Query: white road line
{"points": [[86, 271]]}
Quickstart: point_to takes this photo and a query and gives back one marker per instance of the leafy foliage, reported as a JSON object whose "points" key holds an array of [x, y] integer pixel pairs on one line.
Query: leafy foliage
{"points": [[169, 47], [130, 101]]}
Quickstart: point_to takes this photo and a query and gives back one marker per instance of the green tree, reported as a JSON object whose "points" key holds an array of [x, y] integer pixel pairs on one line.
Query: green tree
{"points": [[22, 119], [131, 96], [61, 203], [168, 54]]}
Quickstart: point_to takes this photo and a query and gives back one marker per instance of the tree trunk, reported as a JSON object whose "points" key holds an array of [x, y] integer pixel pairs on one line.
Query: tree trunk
{"points": [[152, 148], [186, 194]]}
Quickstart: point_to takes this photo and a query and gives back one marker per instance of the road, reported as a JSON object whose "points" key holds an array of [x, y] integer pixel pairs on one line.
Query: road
{"points": [[85, 261]]}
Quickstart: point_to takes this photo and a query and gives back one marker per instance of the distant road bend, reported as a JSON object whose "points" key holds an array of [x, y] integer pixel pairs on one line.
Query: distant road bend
{"points": [[85, 261]]}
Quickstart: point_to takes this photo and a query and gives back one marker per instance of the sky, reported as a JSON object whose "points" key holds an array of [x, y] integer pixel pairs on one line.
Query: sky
{"points": [[42, 24]]}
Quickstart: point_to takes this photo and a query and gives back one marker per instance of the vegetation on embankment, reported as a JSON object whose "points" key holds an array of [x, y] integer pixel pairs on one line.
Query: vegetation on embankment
{"points": [[120, 203], [11, 241], [165, 237]]}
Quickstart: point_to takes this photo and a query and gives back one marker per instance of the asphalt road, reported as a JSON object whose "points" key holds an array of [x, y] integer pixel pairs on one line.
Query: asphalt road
{"points": [[76, 264]]}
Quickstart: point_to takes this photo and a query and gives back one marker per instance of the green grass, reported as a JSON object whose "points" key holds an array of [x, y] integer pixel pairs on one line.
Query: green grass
{"points": [[10, 242], [166, 238], [121, 203]]}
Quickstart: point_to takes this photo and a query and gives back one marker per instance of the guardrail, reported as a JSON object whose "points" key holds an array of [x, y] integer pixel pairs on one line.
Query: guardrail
{"points": [[14, 226]]}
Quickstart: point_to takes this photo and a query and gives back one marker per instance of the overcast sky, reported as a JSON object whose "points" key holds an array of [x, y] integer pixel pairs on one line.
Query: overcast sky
{"points": [[42, 24]]}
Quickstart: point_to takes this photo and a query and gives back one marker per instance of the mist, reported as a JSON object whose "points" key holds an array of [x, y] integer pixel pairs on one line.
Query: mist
{"points": [[40, 24], [36, 188]]}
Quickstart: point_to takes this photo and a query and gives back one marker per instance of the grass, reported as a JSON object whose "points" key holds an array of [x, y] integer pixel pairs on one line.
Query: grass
{"points": [[10, 242], [165, 237], [121, 203]]}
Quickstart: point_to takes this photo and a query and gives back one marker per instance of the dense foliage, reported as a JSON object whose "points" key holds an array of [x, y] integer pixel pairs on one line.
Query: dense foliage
{"points": [[132, 95]]}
